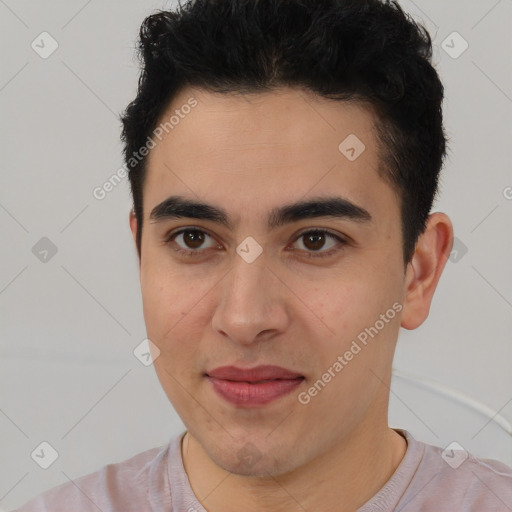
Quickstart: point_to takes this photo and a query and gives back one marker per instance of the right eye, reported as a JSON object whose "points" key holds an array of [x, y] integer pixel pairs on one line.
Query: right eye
{"points": [[190, 240]]}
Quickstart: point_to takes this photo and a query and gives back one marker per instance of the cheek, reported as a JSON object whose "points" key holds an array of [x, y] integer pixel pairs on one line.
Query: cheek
{"points": [[162, 307], [167, 295], [348, 308], [174, 306], [338, 303], [347, 361]]}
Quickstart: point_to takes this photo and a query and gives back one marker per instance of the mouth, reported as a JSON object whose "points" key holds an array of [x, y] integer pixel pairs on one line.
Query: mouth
{"points": [[253, 386]]}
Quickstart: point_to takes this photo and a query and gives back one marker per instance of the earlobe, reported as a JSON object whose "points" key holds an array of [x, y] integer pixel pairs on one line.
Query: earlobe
{"points": [[424, 270]]}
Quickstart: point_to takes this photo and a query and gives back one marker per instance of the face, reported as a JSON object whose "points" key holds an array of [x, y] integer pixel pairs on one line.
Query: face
{"points": [[315, 290]]}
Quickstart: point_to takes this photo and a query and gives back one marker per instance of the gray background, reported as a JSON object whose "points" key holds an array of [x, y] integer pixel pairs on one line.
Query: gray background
{"points": [[69, 324]]}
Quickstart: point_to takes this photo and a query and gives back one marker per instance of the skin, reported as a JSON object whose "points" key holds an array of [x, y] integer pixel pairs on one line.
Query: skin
{"points": [[249, 154]]}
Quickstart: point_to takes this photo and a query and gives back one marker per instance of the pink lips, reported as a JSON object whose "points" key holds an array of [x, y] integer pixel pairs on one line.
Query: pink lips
{"points": [[253, 386]]}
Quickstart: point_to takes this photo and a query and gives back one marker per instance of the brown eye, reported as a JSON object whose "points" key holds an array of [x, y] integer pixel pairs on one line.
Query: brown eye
{"points": [[314, 240], [315, 243], [190, 241], [193, 239]]}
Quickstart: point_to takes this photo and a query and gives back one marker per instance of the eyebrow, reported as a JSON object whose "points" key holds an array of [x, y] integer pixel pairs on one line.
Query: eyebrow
{"points": [[175, 207]]}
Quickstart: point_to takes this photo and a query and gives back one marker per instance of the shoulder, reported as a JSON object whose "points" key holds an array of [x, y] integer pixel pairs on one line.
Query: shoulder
{"points": [[453, 479], [126, 485]]}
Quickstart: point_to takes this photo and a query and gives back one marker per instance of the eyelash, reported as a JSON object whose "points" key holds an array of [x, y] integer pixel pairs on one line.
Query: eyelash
{"points": [[309, 254]]}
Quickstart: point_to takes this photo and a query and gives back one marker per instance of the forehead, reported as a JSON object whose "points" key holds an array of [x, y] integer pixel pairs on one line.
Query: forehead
{"points": [[270, 147], [290, 116]]}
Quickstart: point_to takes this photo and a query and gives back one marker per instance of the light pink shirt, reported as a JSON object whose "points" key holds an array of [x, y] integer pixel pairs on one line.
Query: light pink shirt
{"points": [[155, 481]]}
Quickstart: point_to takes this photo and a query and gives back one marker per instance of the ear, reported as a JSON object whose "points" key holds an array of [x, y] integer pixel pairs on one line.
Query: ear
{"points": [[133, 229], [424, 270]]}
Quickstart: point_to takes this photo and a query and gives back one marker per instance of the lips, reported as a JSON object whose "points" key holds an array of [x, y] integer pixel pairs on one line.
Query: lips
{"points": [[253, 386], [257, 374]]}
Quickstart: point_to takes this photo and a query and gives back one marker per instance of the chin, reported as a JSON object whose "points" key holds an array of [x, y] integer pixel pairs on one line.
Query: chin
{"points": [[244, 458]]}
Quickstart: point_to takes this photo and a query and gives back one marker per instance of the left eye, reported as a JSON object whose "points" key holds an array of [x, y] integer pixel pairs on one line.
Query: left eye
{"points": [[314, 240]]}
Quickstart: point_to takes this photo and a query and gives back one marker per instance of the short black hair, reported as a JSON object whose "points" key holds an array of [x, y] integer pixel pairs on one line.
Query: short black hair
{"points": [[368, 51]]}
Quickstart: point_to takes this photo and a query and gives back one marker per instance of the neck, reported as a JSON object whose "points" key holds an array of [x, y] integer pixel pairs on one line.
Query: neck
{"points": [[343, 479]]}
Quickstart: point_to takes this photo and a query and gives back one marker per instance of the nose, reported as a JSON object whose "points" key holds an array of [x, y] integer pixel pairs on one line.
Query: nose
{"points": [[252, 303]]}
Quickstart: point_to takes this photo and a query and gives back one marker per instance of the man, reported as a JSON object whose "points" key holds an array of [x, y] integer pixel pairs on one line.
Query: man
{"points": [[284, 158]]}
